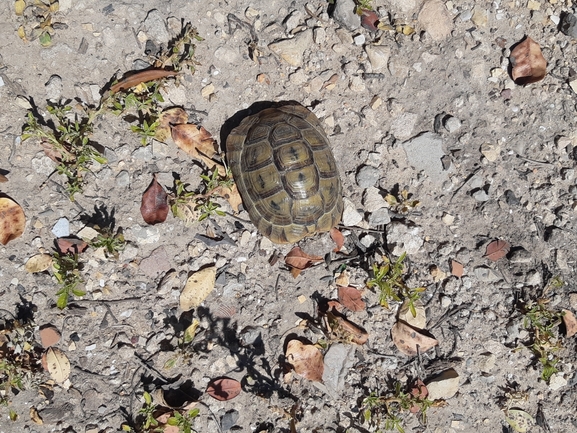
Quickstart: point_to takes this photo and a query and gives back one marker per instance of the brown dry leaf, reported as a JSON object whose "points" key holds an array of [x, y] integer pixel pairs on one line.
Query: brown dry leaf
{"points": [[3, 178], [370, 20], [71, 245], [198, 143], [346, 330], [57, 364], [263, 78], [154, 206], [171, 116], [223, 389], [570, 323], [49, 336], [350, 297], [420, 320], [231, 195], [456, 269], [529, 65], [133, 80], [306, 360], [197, 288], [35, 417], [497, 250], [337, 238], [437, 273], [38, 263], [342, 279], [420, 391], [297, 260], [12, 220], [407, 338]]}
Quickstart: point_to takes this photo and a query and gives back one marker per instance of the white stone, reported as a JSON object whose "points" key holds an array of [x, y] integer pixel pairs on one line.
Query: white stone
{"points": [[61, 228], [443, 386], [292, 50], [351, 217], [378, 56]]}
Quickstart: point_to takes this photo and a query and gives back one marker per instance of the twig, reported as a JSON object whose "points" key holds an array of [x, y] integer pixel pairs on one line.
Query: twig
{"points": [[533, 161]]}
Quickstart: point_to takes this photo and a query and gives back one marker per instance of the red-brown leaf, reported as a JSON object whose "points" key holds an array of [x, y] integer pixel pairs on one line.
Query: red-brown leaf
{"points": [[529, 65], [154, 207], [298, 260], [337, 238], [71, 245], [223, 388], [420, 391], [370, 20], [456, 269], [141, 77], [497, 250], [351, 298]]}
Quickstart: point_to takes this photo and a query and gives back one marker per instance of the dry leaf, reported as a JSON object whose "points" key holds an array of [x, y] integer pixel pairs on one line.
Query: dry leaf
{"points": [[35, 417], [19, 6], [3, 178], [345, 330], [298, 260], [420, 391], [57, 364], [154, 206], [12, 220], [419, 321], [306, 360], [169, 117], [198, 143], [529, 65], [456, 269], [223, 389], [137, 78], [337, 238], [38, 263], [190, 332], [370, 20], [351, 298], [497, 250], [231, 195], [519, 420], [570, 323], [197, 288], [49, 336], [71, 245], [407, 338], [342, 279], [437, 273]]}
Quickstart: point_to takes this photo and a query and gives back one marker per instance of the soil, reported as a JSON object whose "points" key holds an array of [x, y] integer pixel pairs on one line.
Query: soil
{"points": [[495, 160]]}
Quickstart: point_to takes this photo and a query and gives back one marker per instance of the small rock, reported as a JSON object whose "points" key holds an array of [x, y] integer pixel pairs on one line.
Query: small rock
{"points": [[351, 217], [156, 263], [573, 301], [319, 35], [487, 362], [227, 55], [62, 228], [368, 176], [403, 125], [298, 77], [359, 40], [379, 217], [485, 274], [292, 50], [425, 152], [293, 21], [557, 381], [143, 235], [511, 198], [155, 27], [448, 219], [53, 88], [378, 56], [436, 19], [533, 278], [123, 179], [401, 239], [520, 255], [480, 16], [143, 153], [229, 419], [338, 360], [452, 124], [490, 151], [357, 84], [42, 165], [344, 13], [444, 385], [480, 195], [373, 200]]}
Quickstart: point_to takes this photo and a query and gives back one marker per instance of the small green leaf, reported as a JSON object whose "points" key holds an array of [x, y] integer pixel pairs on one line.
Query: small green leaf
{"points": [[62, 301], [147, 398], [45, 39]]}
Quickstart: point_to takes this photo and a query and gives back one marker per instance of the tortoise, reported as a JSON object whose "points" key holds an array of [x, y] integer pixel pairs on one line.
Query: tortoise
{"points": [[286, 173]]}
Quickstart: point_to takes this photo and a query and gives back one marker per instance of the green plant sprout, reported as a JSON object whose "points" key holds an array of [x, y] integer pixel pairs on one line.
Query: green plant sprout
{"points": [[388, 410], [67, 272], [545, 344], [184, 422], [388, 279], [113, 244], [402, 203], [363, 5]]}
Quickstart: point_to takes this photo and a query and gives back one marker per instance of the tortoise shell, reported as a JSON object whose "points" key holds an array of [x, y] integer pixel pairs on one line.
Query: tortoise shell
{"points": [[286, 173]]}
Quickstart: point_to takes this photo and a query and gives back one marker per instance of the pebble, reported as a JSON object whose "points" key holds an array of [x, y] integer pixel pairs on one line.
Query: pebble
{"points": [[155, 27], [319, 35], [452, 124], [359, 40], [533, 278], [480, 195], [368, 176], [143, 235], [557, 381], [298, 77], [351, 217], [379, 217], [227, 55], [443, 386], [229, 419], [344, 36], [143, 153], [123, 178], [520, 255], [293, 21], [378, 56], [62, 228], [436, 19], [490, 151], [573, 301], [292, 50], [480, 16], [344, 14], [53, 88], [403, 125], [372, 199], [357, 84], [425, 152], [401, 238], [485, 274], [42, 165], [338, 361], [487, 362]]}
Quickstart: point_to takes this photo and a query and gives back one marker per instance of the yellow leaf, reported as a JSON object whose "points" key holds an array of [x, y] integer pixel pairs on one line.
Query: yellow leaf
{"points": [[38, 263], [54, 6], [190, 332], [19, 6], [57, 364], [197, 288]]}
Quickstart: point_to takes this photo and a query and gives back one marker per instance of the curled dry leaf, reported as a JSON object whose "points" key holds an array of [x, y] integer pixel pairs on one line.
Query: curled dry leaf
{"points": [[306, 360], [38, 263], [154, 207], [197, 288], [298, 260], [223, 388], [137, 78], [169, 117], [198, 143], [350, 297], [419, 320], [529, 65], [570, 323], [407, 338], [35, 417], [337, 238], [497, 250], [519, 420], [342, 279], [49, 336], [57, 364], [231, 195], [12, 220], [345, 330]]}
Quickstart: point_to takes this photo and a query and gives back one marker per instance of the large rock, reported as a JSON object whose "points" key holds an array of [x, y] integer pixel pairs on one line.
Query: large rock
{"points": [[424, 152], [292, 50], [344, 14], [436, 19]]}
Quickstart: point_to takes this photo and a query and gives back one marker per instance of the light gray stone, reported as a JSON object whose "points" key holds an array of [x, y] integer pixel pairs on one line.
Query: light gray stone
{"points": [[402, 238], [485, 274], [379, 217], [569, 25], [53, 88], [373, 200], [480, 195], [452, 124], [338, 361], [155, 27], [424, 152], [403, 125], [444, 385], [227, 55], [123, 178], [61, 228], [351, 217], [378, 56], [292, 50], [368, 176], [436, 19], [345, 15], [293, 20]]}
